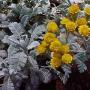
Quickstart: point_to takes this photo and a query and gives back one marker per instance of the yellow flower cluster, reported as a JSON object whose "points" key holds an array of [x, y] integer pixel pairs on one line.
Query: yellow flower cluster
{"points": [[79, 24], [73, 9], [50, 42], [60, 54], [48, 37]]}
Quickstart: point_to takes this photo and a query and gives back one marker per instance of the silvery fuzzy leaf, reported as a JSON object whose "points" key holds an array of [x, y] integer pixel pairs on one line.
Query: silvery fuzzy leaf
{"points": [[8, 85], [75, 47], [11, 71], [88, 45], [3, 17], [12, 6], [2, 34], [5, 23], [32, 28], [24, 20], [81, 56], [17, 61], [46, 2], [54, 10], [20, 58], [66, 68], [13, 49], [6, 39], [5, 3], [3, 26], [35, 80], [24, 40], [21, 41], [67, 71], [38, 31], [33, 62], [25, 11], [76, 1], [1, 59], [33, 53], [3, 53], [81, 14], [14, 39], [45, 75], [38, 10], [17, 80], [88, 48], [64, 79], [87, 5], [62, 38], [33, 45], [16, 28], [10, 14], [72, 39], [1, 74], [81, 66]]}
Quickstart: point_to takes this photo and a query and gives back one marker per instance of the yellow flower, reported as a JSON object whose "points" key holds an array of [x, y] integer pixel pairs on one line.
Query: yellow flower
{"points": [[87, 10], [52, 27], [84, 30], [64, 20], [49, 37], [44, 44], [73, 9], [70, 26], [65, 49], [55, 62], [81, 21], [55, 54], [55, 46], [40, 49], [67, 58]]}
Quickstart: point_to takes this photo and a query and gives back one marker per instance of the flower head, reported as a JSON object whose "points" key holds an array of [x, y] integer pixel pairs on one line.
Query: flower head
{"points": [[52, 27], [55, 46], [70, 26], [73, 9], [49, 37], [55, 62], [87, 10], [40, 49], [64, 20], [65, 49], [56, 54], [44, 44], [81, 21], [84, 30], [67, 58]]}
